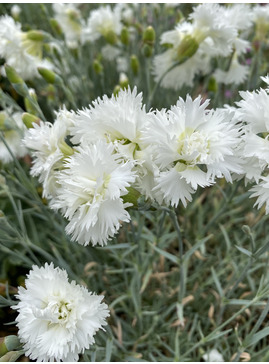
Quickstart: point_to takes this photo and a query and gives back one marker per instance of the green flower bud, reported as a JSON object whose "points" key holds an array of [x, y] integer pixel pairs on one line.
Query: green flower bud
{"points": [[29, 119], [36, 35], [12, 75], [212, 85], [97, 67], [187, 48], [8, 343], [149, 35], [147, 50], [116, 90], [134, 64], [48, 75], [124, 82], [16, 81], [56, 26], [124, 36], [111, 37]]}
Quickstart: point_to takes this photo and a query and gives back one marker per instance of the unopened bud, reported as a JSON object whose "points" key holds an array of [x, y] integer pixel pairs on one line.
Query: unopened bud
{"points": [[15, 12], [187, 48], [147, 50], [16, 81], [246, 229], [36, 35], [8, 343], [116, 90], [124, 82], [111, 37], [134, 64], [49, 75], [29, 120], [149, 35], [212, 85], [56, 26], [124, 36], [97, 67], [12, 75]]}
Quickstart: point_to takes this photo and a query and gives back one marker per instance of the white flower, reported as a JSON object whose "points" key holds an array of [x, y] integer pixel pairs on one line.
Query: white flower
{"points": [[184, 73], [261, 190], [254, 110], [57, 320], [192, 147], [236, 74], [19, 52], [49, 148], [209, 24], [119, 119], [192, 44], [239, 15], [213, 355], [69, 18], [103, 22], [92, 184], [13, 136]]}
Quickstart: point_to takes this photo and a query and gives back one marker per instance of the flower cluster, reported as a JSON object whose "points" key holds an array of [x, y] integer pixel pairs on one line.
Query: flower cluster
{"points": [[117, 148], [212, 31], [57, 320]]}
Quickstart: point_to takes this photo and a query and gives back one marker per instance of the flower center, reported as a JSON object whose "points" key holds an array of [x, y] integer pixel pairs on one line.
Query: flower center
{"points": [[193, 148]]}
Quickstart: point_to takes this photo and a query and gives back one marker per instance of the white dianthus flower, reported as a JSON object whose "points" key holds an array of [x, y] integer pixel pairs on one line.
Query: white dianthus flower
{"points": [[19, 52], [49, 148], [91, 186], [261, 190], [13, 136], [192, 44], [103, 22], [57, 320], [119, 119], [192, 147], [236, 74], [69, 18]]}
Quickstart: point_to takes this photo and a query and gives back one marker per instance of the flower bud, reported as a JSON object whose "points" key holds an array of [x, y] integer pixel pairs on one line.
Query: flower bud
{"points": [[16, 81], [149, 35], [124, 36], [124, 82], [134, 64], [212, 85], [116, 90], [56, 26], [187, 48], [15, 12], [8, 343], [36, 35], [49, 75], [111, 37], [147, 50], [29, 119], [97, 67]]}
